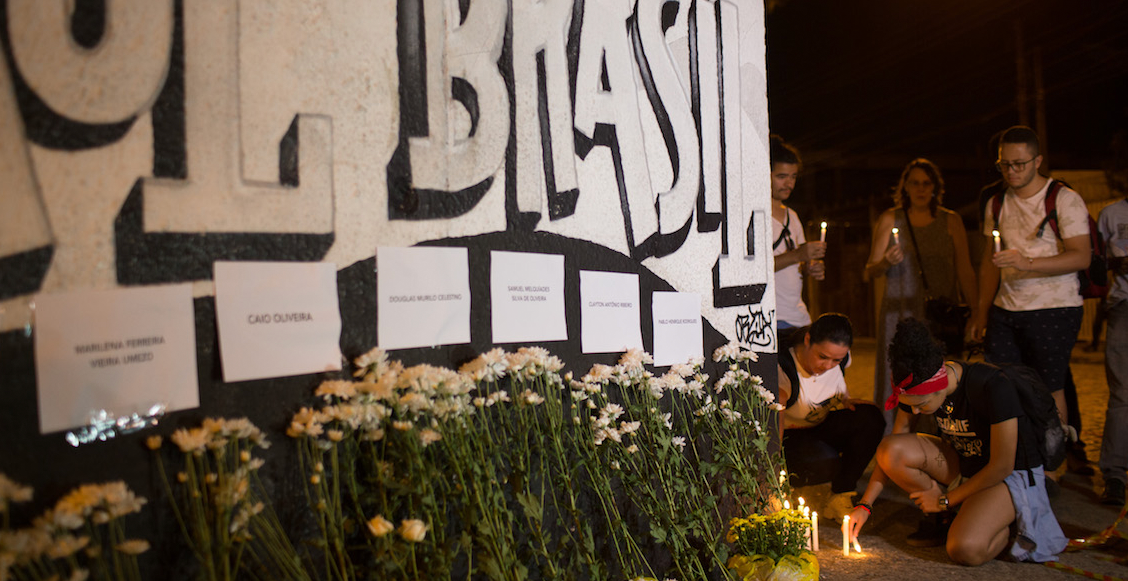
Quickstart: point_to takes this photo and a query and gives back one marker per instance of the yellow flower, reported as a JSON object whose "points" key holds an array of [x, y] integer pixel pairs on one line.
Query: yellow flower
{"points": [[380, 526], [413, 530], [335, 435], [154, 442], [315, 479], [133, 546]]}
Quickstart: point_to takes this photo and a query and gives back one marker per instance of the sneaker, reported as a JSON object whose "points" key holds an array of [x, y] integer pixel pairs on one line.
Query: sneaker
{"points": [[932, 530], [1113, 494], [839, 505]]}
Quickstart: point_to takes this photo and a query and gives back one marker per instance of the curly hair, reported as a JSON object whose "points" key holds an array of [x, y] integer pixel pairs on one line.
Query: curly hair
{"points": [[914, 351], [901, 197]]}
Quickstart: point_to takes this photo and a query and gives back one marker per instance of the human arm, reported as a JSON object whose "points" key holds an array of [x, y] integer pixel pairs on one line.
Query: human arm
{"points": [[901, 424], [988, 286], [1000, 464], [1075, 257], [882, 254], [784, 396], [807, 251], [964, 273]]}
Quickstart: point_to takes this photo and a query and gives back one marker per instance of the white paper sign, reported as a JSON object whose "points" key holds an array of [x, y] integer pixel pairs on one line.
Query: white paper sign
{"points": [[277, 318], [609, 308], [527, 297], [120, 350], [677, 327], [423, 296]]}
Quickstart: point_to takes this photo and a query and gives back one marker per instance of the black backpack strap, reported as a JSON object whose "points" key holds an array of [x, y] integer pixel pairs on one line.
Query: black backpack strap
{"points": [[785, 233], [787, 363], [1051, 209]]}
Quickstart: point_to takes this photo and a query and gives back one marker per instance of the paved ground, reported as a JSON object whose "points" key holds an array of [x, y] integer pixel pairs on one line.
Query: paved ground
{"points": [[887, 556]]}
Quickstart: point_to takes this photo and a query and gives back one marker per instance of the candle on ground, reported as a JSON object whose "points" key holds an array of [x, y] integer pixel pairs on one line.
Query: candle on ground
{"points": [[846, 536], [814, 531]]}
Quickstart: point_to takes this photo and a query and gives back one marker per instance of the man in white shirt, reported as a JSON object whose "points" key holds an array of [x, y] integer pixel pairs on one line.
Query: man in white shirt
{"points": [[1036, 314], [793, 254]]}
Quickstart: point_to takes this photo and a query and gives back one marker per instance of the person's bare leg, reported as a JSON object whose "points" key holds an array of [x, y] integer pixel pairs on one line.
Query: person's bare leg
{"points": [[917, 462], [982, 528]]}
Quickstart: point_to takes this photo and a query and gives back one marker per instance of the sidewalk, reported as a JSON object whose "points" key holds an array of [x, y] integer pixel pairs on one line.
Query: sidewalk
{"points": [[886, 555]]}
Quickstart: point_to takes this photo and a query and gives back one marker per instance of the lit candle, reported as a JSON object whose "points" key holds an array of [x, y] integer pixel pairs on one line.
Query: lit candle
{"points": [[814, 531], [822, 232], [896, 237], [782, 477], [786, 505], [857, 547], [998, 242], [846, 536]]}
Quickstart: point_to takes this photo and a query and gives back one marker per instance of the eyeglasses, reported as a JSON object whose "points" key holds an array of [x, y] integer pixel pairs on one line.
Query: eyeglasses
{"points": [[1003, 166]]}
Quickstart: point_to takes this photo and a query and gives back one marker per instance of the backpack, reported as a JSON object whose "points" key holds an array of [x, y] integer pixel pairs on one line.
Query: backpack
{"points": [[1094, 279], [1038, 408]]}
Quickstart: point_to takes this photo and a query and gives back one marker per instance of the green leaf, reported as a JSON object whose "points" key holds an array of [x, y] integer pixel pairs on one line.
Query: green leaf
{"points": [[658, 533]]}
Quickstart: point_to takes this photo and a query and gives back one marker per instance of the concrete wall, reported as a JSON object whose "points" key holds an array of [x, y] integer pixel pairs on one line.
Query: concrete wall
{"points": [[142, 140]]}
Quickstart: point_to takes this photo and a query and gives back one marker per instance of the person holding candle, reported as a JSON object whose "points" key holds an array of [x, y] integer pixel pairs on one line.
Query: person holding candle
{"points": [[827, 435], [986, 461], [1029, 309], [941, 246], [794, 256]]}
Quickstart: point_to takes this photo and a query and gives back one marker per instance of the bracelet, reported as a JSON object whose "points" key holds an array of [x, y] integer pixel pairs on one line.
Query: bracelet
{"points": [[869, 509]]}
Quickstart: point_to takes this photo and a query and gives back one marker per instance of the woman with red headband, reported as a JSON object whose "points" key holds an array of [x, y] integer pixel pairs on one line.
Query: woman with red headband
{"points": [[978, 464]]}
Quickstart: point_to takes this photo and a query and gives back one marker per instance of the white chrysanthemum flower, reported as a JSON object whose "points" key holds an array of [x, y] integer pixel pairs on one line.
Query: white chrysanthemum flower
{"points": [[402, 425], [632, 448], [668, 420], [682, 370], [427, 436], [532, 398], [11, 491], [335, 388], [414, 402], [678, 441], [194, 440], [612, 410], [629, 427], [614, 464], [599, 373], [376, 358], [490, 366]]}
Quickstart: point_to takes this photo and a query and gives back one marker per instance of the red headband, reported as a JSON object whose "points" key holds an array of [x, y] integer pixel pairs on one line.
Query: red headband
{"points": [[931, 385]]}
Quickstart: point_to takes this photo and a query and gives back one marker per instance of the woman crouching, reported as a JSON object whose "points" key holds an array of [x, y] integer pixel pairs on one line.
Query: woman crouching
{"points": [[986, 464]]}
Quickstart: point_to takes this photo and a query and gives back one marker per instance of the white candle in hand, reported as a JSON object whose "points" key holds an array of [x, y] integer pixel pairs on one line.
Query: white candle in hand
{"points": [[998, 242], [822, 232], [896, 237]]}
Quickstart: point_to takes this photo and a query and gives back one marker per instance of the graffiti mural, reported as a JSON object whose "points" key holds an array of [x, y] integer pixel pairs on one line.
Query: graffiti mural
{"points": [[144, 140]]}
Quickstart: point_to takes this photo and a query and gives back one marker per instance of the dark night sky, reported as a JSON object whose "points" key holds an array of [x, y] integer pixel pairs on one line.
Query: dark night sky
{"points": [[876, 82]]}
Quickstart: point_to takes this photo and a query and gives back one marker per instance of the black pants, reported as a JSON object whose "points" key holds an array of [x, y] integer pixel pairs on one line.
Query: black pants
{"points": [[838, 450]]}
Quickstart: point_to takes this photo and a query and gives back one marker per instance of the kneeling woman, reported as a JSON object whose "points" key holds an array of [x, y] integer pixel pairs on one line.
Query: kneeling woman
{"points": [[986, 462]]}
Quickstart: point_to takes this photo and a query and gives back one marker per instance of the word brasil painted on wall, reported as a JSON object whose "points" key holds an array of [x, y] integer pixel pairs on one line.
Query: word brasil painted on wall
{"points": [[535, 86]]}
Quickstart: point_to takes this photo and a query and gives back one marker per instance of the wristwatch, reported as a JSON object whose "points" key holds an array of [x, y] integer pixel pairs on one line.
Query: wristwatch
{"points": [[943, 501]]}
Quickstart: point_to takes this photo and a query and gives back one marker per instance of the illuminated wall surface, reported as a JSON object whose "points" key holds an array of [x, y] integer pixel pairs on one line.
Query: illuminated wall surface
{"points": [[143, 140]]}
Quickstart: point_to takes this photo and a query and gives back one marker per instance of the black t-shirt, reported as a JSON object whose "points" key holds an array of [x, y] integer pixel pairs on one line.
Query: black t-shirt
{"points": [[966, 416]]}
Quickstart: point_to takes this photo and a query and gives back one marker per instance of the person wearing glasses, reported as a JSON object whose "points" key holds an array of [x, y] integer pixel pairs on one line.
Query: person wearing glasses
{"points": [[794, 256], [1035, 315]]}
